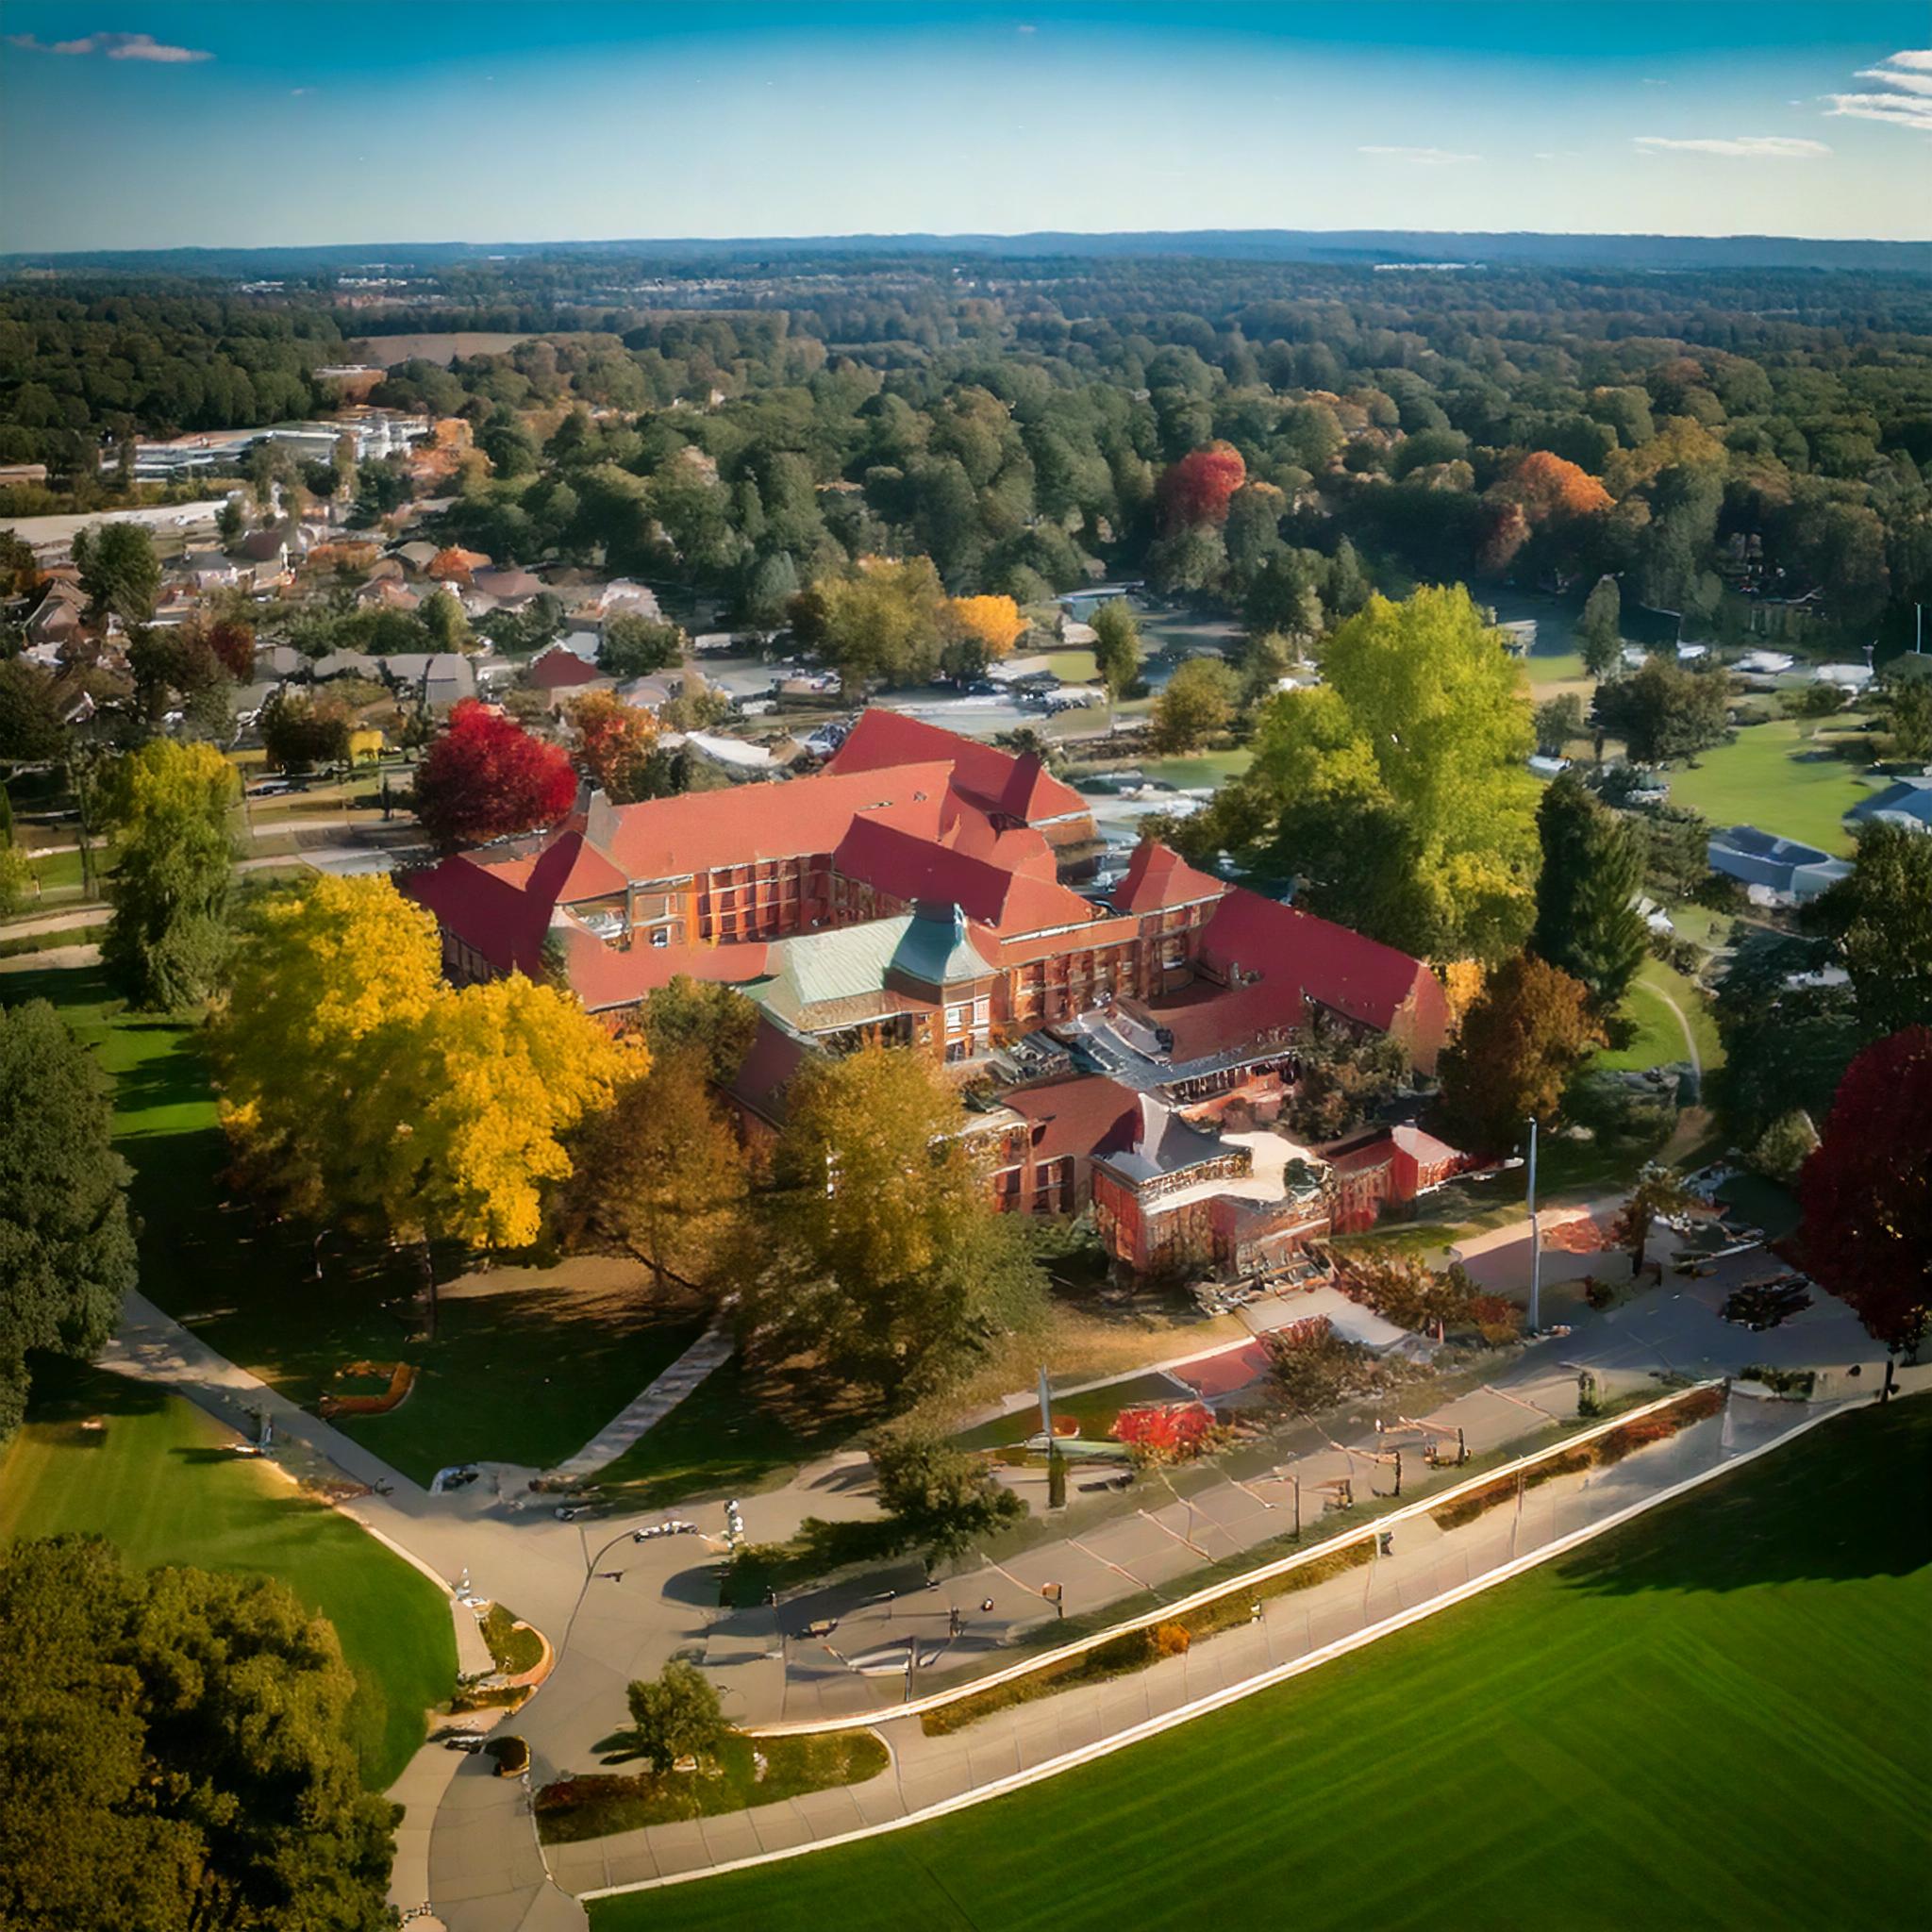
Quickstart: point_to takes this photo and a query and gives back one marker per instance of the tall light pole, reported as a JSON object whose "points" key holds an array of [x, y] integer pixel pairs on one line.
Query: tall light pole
{"points": [[1536, 1243]]}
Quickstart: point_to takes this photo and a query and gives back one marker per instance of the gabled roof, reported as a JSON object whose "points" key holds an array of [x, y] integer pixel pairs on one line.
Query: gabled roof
{"points": [[673, 837], [606, 978], [560, 670], [1087, 1115], [992, 779], [1158, 878], [911, 868], [1162, 1143], [1357, 977]]}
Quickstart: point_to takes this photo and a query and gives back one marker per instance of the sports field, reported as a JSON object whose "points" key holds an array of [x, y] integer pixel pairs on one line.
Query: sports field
{"points": [[158, 1482], [1720, 1717]]}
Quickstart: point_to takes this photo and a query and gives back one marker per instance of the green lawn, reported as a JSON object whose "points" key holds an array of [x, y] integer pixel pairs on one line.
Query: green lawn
{"points": [[1659, 1038], [1715, 1718], [526, 1376], [1779, 777], [1203, 768], [726, 1437], [159, 1483]]}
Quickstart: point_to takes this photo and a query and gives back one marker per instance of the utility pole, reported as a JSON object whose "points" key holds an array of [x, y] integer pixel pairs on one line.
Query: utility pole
{"points": [[1536, 1243]]}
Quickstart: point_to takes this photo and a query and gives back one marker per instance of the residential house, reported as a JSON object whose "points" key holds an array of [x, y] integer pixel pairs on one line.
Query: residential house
{"points": [[1777, 871]]}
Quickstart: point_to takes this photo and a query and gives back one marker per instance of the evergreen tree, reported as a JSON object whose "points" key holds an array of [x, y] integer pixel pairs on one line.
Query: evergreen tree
{"points": [[66, 1255], [1597, 629], [1585, 923]]}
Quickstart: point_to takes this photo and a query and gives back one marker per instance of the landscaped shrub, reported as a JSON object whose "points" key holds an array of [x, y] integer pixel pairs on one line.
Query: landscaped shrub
{"points": [[749, 1771], [1172, 1639], [1167, 1431], [1798, 1382]]}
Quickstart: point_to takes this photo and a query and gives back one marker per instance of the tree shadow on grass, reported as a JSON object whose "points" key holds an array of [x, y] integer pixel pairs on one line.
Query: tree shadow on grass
{"points": [[1845, 1503], [65, 1390]]}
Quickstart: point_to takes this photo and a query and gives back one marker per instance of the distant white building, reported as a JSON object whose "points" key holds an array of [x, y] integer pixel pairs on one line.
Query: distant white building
{"points": [[1846, 676]]}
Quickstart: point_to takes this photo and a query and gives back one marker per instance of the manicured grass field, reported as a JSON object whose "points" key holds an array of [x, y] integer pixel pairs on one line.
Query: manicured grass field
{"points": [[1778, 777], [160, 1484], [1719, 1717], [525, 1376]]}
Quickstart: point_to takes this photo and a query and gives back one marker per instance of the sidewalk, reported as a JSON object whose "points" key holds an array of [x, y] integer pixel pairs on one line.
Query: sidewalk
{"points": [[1427, 1565], [709, 1352]]}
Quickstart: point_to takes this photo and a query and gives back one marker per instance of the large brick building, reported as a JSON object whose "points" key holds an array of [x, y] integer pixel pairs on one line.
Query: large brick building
{"points": [[924, 889]]}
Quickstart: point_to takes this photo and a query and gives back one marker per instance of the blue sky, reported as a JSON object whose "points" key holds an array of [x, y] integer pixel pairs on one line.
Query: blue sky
{"points": [[124, 125]]}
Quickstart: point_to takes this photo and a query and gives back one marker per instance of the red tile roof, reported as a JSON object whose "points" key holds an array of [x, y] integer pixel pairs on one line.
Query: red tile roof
{"points": [[911, 868], [992, 778], [671, 838], [1088, 1114], [501, 911], [1158, 878], [605, 977], [1351, 975], [1207, 1019]]}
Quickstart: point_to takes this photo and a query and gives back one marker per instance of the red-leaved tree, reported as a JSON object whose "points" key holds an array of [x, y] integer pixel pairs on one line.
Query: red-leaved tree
{"points": [[233, 642], [1867, 1188], [487, 777], [1196, 488]]}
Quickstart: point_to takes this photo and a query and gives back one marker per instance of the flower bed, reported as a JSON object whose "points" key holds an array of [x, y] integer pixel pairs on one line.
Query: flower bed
{"points": [[402, 1378]]}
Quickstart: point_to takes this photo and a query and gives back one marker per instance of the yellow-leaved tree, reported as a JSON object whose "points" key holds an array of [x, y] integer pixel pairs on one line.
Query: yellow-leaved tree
{"points": [[357, 1083], [993, 624]]}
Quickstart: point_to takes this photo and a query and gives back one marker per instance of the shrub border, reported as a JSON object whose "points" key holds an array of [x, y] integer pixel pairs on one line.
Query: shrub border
{"points": [[1220, 1596]]}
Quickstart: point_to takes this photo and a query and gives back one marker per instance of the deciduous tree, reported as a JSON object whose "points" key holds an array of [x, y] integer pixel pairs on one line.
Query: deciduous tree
{"points": [[635, 647], [168, 804], [300, 732], [1197, 488], [1196, 704], [1660, 1192], [992, 625], [1397, 790], [675, 1715], [173, 1754], [1663, 711], [1526, 1034], [1867, 1191], [663, 1171], [941, 1495], [883, 1253], [613, 741], [487, 777]]}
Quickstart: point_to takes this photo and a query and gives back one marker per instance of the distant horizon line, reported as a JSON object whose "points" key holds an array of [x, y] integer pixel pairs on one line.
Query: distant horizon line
{"points": [[970, 235]]}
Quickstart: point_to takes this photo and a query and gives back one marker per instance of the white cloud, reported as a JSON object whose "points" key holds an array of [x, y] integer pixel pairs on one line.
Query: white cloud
{"points": [[1741, 147], [1421, 156], [115, 47], [1907, 100]]}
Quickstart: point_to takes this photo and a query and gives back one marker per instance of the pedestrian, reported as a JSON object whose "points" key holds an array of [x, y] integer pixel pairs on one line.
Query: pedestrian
{"points": [[1255, 1611], [953, 1620]]}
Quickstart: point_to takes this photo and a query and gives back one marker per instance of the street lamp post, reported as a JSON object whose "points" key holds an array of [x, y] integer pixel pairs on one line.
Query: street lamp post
{"points": [[1535, 1245]]}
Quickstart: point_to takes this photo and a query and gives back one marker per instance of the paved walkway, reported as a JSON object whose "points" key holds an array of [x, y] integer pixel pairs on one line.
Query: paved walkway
{"points": [[1427, 1564], [709, 1351]]}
